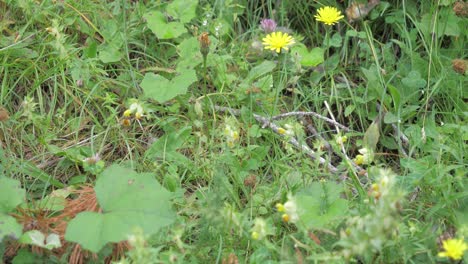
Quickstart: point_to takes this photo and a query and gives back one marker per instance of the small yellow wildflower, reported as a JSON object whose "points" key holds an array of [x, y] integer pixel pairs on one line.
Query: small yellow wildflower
{"points": [[280, 207], [366, 156], [255, 235], [328, 15], [277, 41], [341, 139], [260, 229], [138, 115], [359, 159], [454, 248], [281, 131], [285, 218], [127, 113]]}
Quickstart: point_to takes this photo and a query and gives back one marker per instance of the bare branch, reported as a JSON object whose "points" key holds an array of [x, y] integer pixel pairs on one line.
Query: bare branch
{"points": [[302, 114], [291, 140]]}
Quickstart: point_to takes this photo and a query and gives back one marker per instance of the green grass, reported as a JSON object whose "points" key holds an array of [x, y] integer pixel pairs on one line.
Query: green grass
{"points": [[213, 138]]}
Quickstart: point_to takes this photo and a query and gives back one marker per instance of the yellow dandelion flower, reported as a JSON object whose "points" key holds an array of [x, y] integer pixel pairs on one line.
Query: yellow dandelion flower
{"points": [[454, 248], [328, 15], [277, 41]]}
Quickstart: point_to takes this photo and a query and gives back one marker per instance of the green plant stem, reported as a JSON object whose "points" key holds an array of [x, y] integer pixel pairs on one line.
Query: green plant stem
{"points": [[205, 73]]}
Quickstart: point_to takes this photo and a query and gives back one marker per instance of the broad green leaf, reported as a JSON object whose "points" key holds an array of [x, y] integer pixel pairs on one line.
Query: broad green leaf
{"points": [[395, 95], [183, 10], [320, 205], [371, 137], [390, 118], [9, 227], [309, 58], [260, 70], [161, 89], [128, 200], [349, 109], [37, 238], [414, 80], [335, 41], [157, 22], [265, 83], [166, 146], [55, 201], [189, 52], [11, 194], [108, 54]]}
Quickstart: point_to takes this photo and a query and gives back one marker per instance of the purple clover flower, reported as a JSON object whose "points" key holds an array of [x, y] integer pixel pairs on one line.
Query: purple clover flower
{"points": [[268, 25]]}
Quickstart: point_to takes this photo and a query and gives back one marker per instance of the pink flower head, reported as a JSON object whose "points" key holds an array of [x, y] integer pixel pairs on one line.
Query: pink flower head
{"points": [[268, 25]]}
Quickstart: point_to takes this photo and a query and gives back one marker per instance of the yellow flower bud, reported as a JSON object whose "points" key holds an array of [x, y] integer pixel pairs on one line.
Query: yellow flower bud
{"points": [[359, 159], [280, 207], [255, 235], [127, 113], [138, 115], [281, 131], [285, 218]]}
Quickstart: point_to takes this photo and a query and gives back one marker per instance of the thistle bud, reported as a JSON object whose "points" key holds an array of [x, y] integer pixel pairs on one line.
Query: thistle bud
{"points": [[460, 66], [204, 44], [460, 9], [268, 25]]}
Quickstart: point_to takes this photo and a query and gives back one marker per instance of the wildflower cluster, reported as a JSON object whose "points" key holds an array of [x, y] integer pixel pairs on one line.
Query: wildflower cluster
{"points": [[368, 234], [366, 156], [231, 132], [289, 210], [136, 110], [261, 229]]}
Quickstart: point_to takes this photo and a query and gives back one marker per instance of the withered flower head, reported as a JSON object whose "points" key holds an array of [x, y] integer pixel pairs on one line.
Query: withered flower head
{"points": [[204, 44], [460, 65], [460, 8]]}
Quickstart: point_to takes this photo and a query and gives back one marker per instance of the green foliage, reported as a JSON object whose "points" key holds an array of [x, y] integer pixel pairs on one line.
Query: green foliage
{"points": [[217, 143], [161, 89], [36, 238], [312, 58], [11, 195], [320, 206], [128, 200]]}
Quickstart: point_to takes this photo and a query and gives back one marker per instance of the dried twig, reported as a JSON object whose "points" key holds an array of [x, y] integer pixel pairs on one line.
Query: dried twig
{"points": [[302, 114], [291, 140]]}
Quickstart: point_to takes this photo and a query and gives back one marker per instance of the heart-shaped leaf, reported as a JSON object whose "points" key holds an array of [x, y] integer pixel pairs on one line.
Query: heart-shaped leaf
{"points": [[182, 10], [128, 200], [9, 227], [161, 89], [11, 194], [163, 29]]}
